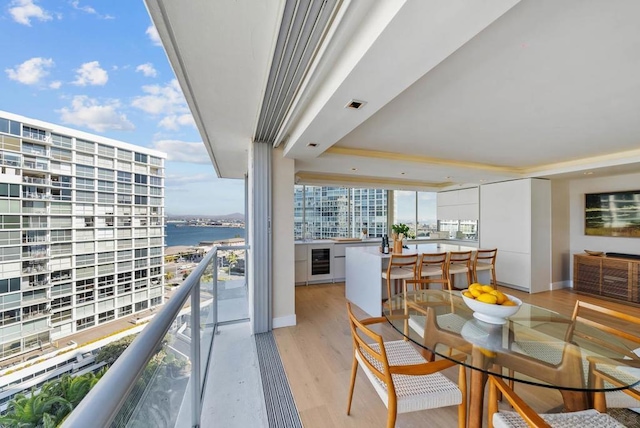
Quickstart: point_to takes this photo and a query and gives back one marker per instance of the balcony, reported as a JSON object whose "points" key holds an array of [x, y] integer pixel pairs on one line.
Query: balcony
{"points": [[33, 267], [38, 136], [35, 238], [175, 321], [27, 316], [36, 195], [38, 166], [35, 180]]}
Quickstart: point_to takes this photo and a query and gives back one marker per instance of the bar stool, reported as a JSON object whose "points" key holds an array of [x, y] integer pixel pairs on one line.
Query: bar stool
{"points": [[485, 260], [434, 264], [401, 266], [459, 262]]}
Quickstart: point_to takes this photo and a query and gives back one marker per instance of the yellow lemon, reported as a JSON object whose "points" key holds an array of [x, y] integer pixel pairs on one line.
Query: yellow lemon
{"points": [[508, 303], [501, 297], [475, 292], [474, 285], [468, 294], [488, 353], [487, 298], [487, 288]]}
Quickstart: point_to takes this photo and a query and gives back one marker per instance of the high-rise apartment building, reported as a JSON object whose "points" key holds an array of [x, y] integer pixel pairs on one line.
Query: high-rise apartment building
{"points": [[81, 231], [332, 212]]}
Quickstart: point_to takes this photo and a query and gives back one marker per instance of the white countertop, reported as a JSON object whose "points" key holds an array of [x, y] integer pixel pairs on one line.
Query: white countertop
{"points": [[414, 249], [421, 241]]}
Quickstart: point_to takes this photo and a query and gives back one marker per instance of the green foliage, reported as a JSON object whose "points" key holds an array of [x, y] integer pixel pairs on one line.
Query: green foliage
{"points": [[51, 405], [402, 228], [109, 353]]}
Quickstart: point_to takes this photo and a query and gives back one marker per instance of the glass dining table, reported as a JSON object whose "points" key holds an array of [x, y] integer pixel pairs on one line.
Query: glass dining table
{"points": [[535, 346]]}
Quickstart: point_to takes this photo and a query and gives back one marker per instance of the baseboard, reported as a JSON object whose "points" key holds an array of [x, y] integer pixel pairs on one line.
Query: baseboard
{"points": [[286, 321], [560, 284]]}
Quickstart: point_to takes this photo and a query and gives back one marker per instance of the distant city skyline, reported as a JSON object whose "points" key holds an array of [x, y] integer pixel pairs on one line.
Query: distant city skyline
{"points": [[100, 67]]}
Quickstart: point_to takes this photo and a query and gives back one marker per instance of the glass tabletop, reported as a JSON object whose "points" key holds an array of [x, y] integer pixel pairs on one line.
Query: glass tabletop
{"points": [[535, 345]]}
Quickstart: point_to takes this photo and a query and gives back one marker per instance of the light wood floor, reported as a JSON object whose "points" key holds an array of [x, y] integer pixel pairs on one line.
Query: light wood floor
{"points": [[317, 356]]}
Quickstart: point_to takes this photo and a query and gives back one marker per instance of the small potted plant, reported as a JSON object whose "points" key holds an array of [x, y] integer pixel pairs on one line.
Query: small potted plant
{"points": [[399, 232]]}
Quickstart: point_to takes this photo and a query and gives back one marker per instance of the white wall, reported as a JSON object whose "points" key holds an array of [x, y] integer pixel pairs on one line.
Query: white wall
{"points": [[284, 311], [581, 242]]}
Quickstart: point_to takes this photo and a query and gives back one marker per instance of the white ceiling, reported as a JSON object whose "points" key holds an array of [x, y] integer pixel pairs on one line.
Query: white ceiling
{"points": [[458, 92]]}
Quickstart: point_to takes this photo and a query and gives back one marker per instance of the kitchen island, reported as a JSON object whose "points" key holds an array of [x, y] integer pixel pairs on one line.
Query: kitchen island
{"points": [[364, 285]]}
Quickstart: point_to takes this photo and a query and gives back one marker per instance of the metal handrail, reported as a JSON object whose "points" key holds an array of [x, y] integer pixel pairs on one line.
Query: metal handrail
{"points": [[102, 403]]}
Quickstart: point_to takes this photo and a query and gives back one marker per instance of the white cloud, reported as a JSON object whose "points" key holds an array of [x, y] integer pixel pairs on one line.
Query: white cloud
{"points": [[85, 111], [166, 101], [181, 180], [147, 69], [23, 11], [183, 151], [90, 10], [174, 122], [90, 73], [161, 99], [30, 72], [55, 84], [152, 32]]}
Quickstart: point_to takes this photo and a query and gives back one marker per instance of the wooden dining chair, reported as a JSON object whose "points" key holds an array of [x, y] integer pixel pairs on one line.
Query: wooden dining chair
{"points": [[485, 260], [615, 399], [459, 262], [401, 266], [614, 324], [434, 264], [403, 379], [525, 416]]}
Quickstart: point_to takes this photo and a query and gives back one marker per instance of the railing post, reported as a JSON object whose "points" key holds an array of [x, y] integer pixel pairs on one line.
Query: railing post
{"points": [[195, 353], [215, 290]]}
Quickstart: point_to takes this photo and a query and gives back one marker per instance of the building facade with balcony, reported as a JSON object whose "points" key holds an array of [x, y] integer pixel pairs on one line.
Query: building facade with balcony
{"points": [[81, 231]]}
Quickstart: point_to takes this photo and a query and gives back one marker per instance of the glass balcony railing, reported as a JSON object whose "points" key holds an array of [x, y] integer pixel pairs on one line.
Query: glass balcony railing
{"points": [[159, 380]]}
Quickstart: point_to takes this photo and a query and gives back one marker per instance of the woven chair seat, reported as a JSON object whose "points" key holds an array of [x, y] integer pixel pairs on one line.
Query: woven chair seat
{"points": [[399, 273], [458, 269], [431, 271], [413, 392], [483, 266], [584, 419]]}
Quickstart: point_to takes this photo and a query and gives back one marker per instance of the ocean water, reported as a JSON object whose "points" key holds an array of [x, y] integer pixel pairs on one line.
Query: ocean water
{"points": [[188, 235]]}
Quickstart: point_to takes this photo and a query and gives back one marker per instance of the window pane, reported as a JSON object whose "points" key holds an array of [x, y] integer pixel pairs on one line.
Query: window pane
{"points": [[405, 209], [427, 217], [329, 212]]}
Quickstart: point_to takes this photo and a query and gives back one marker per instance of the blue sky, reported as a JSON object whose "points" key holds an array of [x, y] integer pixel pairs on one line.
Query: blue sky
{"points": [[98, 66]]}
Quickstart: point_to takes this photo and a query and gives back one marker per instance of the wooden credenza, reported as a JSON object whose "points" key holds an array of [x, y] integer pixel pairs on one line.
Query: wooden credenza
{"points": [[616, 278]]}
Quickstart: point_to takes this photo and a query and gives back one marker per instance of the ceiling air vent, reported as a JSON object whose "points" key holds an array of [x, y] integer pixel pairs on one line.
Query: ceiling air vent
{"points": [[355, 104]]}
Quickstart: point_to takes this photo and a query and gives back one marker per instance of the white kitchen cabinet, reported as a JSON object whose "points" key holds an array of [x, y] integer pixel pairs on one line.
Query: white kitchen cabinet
{"points": [[468, 196], [515, 218], [301, 269], [458, 204], [301, 272], [468, 212], [447, 212], [301, 252], [447, 198], [339, 268]]}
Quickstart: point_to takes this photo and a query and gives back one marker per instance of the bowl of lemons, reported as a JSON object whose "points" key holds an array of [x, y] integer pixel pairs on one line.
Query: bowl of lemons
{"points": [[490, 305]]}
